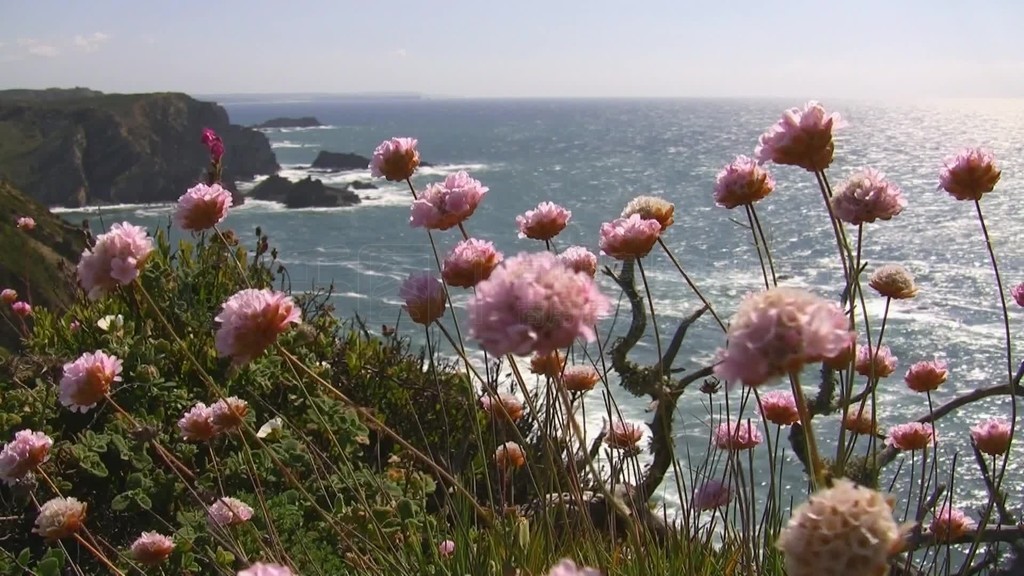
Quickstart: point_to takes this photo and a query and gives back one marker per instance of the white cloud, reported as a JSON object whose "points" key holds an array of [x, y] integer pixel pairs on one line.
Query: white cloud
{"points": [[401, 53], [43, 50], [92, 42], [33, 47]]}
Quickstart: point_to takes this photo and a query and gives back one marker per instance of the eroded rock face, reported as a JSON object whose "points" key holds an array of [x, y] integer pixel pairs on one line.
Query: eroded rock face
{"points": [[303, 122], [305, 193], [340, 161]]}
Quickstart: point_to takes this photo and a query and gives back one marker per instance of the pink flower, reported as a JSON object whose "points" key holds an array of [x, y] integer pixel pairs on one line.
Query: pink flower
{"points": [[969, 174], [424, 297], [543, 222], [197, 424], [801, 138], [88, 379], [580, 378], [261, 569], [549, 364], [623, 435], [447, 204], [736, 436], [569, 568], [859, 423], [713, 494], [582, 260], [779, 407], [926, 376], [228, 414], [878, 362], [202, 207], [992, 436], [59, 518], [866, 197], [26, 223], [9, 296], [395, 159], [115, 260], [21, 309], [651, 208], [1017, 292], [911, 436], [469, 262], [228, 512], [742, 182], [251, 321], [23, 454], [502, 406], [509, 455], [778, 331], [446, 549], [626, 238], [75, 326], [151, 548], [950, 523], [212, 141], [534, 303]]}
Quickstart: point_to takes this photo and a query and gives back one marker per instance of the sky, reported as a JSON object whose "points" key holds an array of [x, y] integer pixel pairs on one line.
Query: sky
{"points": [[877, 49]]}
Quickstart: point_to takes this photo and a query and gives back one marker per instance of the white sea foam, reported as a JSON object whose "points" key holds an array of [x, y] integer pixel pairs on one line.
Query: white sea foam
{"points": [[100, 209], [290, 130], [290, 144]]}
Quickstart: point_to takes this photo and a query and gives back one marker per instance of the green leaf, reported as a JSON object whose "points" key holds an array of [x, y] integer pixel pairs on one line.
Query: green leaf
{"points": [[48, 567], [120, 502], [91, 463]]}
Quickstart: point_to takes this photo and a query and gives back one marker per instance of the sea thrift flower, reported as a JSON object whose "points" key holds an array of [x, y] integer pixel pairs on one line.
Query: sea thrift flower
{"points": [[151, 548], [1017, 292], [778, 331], [859, 423], [893, 281], [469, 262], [228, 414], [543, 222], [877, 362], [911, 436], [969, 174], [228, 512], [779, 407], [628, 238], [736, 436], [950, 523], [992, 436], [926, 376], [579, 259], [846, 530], [212, 141], [742, 182], [88, 379], [251, 321], [713, 494], [502, 406], [840, 361], [59, 518], [801, 138], [75, 326], [446, 204], [509, 455], [549, 364], [623, 435], [26, 223], [261, 569], [21, 309], [8, 296], [202, 207], [395, 159], [866, 197], [446, 549], [424, 297], [115, 260], [580, 378], [569, 568], [651, 208], [197, 424], [23, 454], [534, 303]]}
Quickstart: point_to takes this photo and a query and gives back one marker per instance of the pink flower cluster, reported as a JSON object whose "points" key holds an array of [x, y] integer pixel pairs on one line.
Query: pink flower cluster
{"points": [[950, 523], [779, 407], [970, 174], [711, 495], [251, 321], [87, 380], [115, 260], [8, 296], [744, 181], [201, 422], [543, 222], [213, 142], [737, 436], [801, 138], [23, 454], [579, 259], [911, 436], [569, 568], [447, 204], [623, 435], [446, 548], [424, 297], [535, 303], [21, 309], [395, 159], [878, 362], [228, 512], [202, 207], [261, 569], [1018, 294], [151, 548], [628, 238], [25, 223], [469, 262], [866, 197], [926, 376], [992, 436]]}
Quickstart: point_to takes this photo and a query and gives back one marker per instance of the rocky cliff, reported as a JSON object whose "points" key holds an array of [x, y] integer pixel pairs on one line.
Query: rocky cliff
{"points": [[88, 148]]}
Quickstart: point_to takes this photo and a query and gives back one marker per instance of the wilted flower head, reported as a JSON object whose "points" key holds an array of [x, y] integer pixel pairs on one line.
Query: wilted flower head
{"points": [[228, 414], [502, 406], [801, 138], [197, 423], [779, 407], [8, 296], [534, 303], [549, 364], [627, 238], [151, 548], [251, 321], [88, 379], [969, 174], [446, 548], [395, 159], [866, 197], [26, 223], [509, 455], [23, 454], [623, 435], [992, 436], [736, 436], [1018, 294], [21, 309], [926, 376], [742, 182], [569, 568], [712, 494], [893, 281], [59, 518], [950, 523], [859, 422], [778, 331], [877, 362], [582, 260], [213, 142], [261, 569], [469, 262], [202, 207], [543, 222], [115, 260], [846, 530], [580, 378], [911, 436], [651, 208], [424, 297], [228, 512], [446, 204]]}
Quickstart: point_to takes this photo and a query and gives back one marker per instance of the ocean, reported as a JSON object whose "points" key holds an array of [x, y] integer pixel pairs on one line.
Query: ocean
{"points": [[593, 156]]}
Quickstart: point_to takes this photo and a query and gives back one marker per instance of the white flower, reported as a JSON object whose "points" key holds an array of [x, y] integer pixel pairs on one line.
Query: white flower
{"points": [[270, 430], [106, 322]]}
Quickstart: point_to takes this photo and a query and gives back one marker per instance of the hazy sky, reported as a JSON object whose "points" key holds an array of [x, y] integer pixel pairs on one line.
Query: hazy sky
{"points": [[794, 48]]}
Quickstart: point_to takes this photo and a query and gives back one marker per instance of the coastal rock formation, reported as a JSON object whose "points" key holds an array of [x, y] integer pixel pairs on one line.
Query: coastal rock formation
{"points": [[79, 147], [303, 122], [343, 161], [305, 193]]}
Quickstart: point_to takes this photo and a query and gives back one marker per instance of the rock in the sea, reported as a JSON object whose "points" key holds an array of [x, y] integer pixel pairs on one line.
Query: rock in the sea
{"points": [[303, 122], [306, 193], [361, 185], [340, 161]]}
